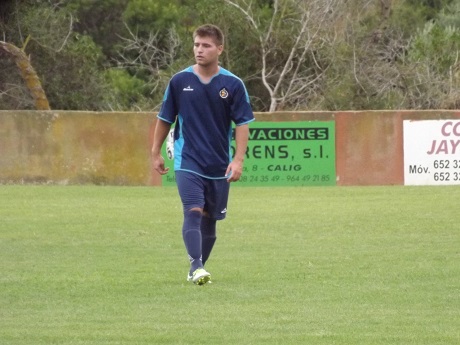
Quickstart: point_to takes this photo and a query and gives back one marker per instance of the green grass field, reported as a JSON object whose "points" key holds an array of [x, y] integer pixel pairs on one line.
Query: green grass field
{"points": [[320, 265]]}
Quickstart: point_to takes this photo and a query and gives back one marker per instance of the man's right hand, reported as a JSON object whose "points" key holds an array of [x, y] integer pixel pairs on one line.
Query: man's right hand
{"points": [[158, 164]]}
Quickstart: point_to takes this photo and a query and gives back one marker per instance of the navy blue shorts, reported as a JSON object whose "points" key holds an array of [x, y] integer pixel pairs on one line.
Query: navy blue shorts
{"points": [[211, 195]]}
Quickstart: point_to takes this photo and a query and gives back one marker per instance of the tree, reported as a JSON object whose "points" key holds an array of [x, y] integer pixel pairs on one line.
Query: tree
{"points": [[290, 33], [365, 72], [450, 15], [102, 20], [395, 66], [429, 8], [434, 57], [292, 54], [148, 59], [28, 75], [69, 65]]}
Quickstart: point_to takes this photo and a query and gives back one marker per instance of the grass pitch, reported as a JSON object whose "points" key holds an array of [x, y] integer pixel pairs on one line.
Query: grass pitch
{"points": [[321, 265]]}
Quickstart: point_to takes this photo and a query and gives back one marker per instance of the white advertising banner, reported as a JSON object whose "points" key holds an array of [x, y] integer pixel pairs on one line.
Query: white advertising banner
{"points": [[431, 152]]}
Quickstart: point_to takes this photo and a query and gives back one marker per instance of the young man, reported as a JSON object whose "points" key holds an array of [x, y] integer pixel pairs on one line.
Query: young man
{"points": [[203, 100]]}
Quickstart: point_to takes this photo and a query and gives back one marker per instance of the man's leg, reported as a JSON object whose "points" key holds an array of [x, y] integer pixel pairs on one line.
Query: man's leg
{"points": [[192, 237], [191, 191], [215, 208], [208, 236]]}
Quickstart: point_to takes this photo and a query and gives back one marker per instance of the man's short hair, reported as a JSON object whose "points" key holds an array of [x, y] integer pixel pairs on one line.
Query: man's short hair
{"points": [[209, 30]]}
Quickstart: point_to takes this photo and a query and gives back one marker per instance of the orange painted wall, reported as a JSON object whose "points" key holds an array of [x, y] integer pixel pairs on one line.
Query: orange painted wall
{"points": [[75, 147], [113, 148], [371, 148]]}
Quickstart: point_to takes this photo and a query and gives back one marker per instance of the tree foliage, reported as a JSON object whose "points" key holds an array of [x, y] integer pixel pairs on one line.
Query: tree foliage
{"points": [[292, 54], [67, 62]]}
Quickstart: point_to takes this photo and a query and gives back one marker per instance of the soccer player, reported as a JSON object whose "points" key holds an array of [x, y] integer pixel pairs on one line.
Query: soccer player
{"points": [[203, 100]]}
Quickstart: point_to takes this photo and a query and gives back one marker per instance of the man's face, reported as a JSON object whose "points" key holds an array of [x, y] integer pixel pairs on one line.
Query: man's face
{"points": [[206, 51]]}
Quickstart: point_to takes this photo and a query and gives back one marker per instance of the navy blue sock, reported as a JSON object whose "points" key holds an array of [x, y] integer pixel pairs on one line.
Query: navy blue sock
{"points": [[208, 237], [192, 238]]}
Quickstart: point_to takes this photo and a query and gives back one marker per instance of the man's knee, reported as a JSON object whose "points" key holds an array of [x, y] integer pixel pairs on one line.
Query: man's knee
{"points": [[192, 218], [195, 209]]}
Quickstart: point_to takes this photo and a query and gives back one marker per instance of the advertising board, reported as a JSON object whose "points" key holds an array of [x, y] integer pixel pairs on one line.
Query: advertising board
{"points": [[284, 154], [431, 152]]}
